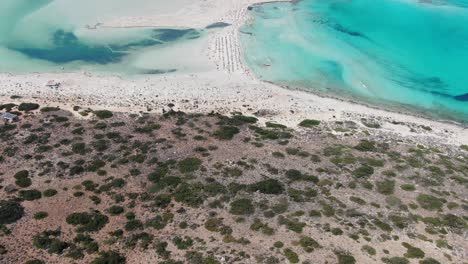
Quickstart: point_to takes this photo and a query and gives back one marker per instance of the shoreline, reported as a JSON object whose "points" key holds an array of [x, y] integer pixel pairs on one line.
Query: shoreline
{"points": [[230, 86]]}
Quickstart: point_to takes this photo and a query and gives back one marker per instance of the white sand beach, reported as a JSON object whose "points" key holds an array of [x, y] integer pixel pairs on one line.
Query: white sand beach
{"points": [[222, 83]]}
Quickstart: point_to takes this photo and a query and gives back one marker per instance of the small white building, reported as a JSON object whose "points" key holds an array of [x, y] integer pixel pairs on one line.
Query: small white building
{"points": [[9, 117], [53, 84]]}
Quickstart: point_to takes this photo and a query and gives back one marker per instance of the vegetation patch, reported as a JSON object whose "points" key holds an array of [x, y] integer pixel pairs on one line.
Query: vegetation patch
{"points": [[429, 202], [242, 207], [189, 165], [10, 211], [309, 123], [88, 222]]}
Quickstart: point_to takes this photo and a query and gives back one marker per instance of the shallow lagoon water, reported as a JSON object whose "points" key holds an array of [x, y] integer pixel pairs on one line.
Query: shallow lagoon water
{"points": [[57, 35], [404, 54]]}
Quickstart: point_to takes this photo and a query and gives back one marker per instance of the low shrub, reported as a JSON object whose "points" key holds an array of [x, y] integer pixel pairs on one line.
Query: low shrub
{"points": [[115, 210], [269, 186], [40, 215], [28, 107], [363, 172], [30, 195], [429, 202], [88, 222], [103, 114], [226, 132], [189, 165], [413, 252], [10, 211], [309, 123], [242, 207], [365, 145], [109, 257], [386, 187], [291, 255], [345, 258], [308, 244], [49, 192]]}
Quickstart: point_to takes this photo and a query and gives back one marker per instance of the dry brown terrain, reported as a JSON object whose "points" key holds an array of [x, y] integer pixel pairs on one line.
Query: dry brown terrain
{"points": [[187, 188]]}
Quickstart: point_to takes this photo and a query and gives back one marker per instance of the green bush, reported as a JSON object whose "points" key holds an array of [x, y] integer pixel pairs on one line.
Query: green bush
{"points": [[103, 114], [278, 244], [242, 207], [309, 123], [22, 179], [345, 258], [363, 172], [109, 257], [408, 187], [369, 250], [10, 211], [386, 187], [308, 244], [189, 194], [275, 125], [40, 215], [189, 165], [365, 145], [115, 210], [21, 174], [182, 243], [88, 222], [292, 224], [79, 148], [413, 252], [49, 192], [291, 255], [162, 200], [35, 261], [30, 195], [226, 132], [49, 109], [269, 186], [48, 240], [28, 107], [133, 225], [429, 202], [429, 261], [395, 260]]}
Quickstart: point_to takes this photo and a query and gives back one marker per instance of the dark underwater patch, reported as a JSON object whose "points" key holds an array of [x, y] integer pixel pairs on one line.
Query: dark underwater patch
{"points": [[218, 25], [462, 97], [68, 48]]}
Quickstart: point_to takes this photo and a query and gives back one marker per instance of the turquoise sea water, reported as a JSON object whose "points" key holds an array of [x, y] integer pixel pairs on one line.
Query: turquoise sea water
{"points": [[57, 35], [404, 54]]}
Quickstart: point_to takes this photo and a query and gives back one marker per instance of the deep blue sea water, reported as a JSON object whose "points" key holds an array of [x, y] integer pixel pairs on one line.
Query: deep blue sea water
{"points": [[404, 54]]}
